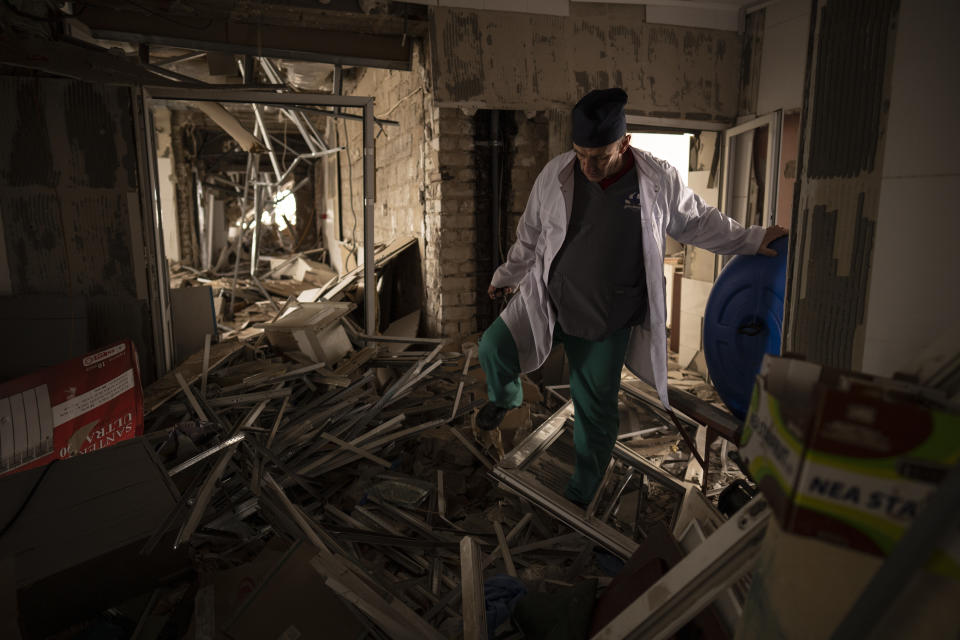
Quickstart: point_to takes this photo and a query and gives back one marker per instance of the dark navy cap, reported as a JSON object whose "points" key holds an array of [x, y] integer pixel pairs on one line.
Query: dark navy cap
{"points": [[599, 119]]}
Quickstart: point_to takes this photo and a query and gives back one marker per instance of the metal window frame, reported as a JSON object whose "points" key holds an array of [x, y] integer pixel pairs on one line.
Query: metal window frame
{"points": [[696, 581], [674, 123], [510, 473], [159, 282], [260, 97], [774, 122]]}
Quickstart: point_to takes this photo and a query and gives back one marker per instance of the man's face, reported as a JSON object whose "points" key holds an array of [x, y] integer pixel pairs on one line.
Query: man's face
{"points": [[598, 163]]}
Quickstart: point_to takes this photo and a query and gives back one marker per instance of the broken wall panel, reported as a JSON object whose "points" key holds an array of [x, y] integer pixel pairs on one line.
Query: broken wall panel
{"points": [[752, 58], [184, 187], [68, 178], [511, 61], [839, 178]]}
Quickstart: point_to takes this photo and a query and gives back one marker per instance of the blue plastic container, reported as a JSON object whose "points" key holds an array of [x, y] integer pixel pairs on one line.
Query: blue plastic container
{"points": [[743, 321]]}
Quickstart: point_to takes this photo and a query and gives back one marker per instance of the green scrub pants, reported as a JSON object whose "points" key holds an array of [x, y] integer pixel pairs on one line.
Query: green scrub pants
{"points": [[595, 367]]}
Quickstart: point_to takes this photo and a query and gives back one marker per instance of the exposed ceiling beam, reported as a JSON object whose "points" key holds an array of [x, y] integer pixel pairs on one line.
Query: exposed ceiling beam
{"points": [[76, 61], [225, 33]]}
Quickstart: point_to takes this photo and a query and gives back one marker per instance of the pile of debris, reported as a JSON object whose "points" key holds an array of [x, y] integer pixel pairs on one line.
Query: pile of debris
{"points": [[239, 300], [308, 479], [363, 447]]}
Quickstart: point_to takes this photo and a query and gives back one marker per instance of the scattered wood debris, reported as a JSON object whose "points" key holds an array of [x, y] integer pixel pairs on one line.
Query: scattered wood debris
{"points": [[348, 463]]}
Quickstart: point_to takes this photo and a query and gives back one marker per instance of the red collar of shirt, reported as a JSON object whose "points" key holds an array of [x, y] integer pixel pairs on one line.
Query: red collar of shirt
{"points": [[628, 164]]}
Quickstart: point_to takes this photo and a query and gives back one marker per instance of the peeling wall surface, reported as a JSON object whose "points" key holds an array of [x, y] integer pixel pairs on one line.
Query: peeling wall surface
{"points": [[69, 203], [914, 302], [497, 60], [184, 163], [841, 155]]}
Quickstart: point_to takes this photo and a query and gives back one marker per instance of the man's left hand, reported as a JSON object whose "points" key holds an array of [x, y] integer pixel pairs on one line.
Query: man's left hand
{"points": [[771, 234]]}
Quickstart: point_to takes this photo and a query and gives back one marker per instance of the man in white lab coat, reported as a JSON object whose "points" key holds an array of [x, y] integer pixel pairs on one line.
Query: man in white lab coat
{"points": [[587, 269]]}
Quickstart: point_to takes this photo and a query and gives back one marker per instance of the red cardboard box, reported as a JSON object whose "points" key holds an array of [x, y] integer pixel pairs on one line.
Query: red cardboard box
{"points": [[74, 407]]}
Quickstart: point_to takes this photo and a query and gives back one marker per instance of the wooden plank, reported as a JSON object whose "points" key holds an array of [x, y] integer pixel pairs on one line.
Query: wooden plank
{"points": [[392, 250], [204, 496], [191, 369], [276, 423], [357, 450], [466, 367], [471, 585], [241, 398], [206, 366], [504, 549], [376, 444], [190, 397], [472, 449], [441, 495], [513, 533], [395, 618]]}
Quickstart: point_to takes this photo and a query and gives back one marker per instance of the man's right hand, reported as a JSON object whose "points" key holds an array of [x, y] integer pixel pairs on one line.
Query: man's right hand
{"points": [[498, 292]]}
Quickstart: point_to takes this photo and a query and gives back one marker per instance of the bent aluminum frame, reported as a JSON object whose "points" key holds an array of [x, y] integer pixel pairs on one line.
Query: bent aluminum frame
{"points": [[511, 474], [696, 581], [261, 97]]}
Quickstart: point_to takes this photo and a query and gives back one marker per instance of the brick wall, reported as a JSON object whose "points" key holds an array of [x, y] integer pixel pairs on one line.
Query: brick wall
{"points": [[528, 154], [457, 224], [432, 176], [407, 179], [466, 205]]}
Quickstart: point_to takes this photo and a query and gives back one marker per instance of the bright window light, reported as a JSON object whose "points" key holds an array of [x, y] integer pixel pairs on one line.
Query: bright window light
{"points": [[672, 147], [285, 209]]}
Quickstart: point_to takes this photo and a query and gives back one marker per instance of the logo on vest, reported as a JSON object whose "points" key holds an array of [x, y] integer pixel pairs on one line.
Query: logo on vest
{"points": [[632, 201]]}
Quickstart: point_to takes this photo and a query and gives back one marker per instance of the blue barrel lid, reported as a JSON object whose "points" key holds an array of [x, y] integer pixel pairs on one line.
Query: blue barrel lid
{"points": [[743, 321]]}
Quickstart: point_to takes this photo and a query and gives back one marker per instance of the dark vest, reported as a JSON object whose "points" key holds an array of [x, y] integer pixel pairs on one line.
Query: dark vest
{"points": [[597, 282]]}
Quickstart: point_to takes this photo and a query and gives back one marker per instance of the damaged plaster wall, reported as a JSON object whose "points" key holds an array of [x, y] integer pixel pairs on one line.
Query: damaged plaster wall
{"points": [[490, 59], [167, 183], [183, 164], [840, 169], [914, 302], [70, 211]]}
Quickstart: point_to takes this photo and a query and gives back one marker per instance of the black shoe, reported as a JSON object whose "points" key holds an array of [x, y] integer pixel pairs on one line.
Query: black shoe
{"points": [[490, 416]]}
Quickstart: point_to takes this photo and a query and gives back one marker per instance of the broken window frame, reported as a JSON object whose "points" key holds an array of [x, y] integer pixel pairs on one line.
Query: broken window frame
{"points": [[773, 122], [510, 473]]}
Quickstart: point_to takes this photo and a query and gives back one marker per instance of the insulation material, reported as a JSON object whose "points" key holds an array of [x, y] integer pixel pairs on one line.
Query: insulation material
{"points": [[511, 61]]}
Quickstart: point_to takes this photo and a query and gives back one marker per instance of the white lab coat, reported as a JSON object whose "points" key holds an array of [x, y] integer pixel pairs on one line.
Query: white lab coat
{"points": [[667, 206]]}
